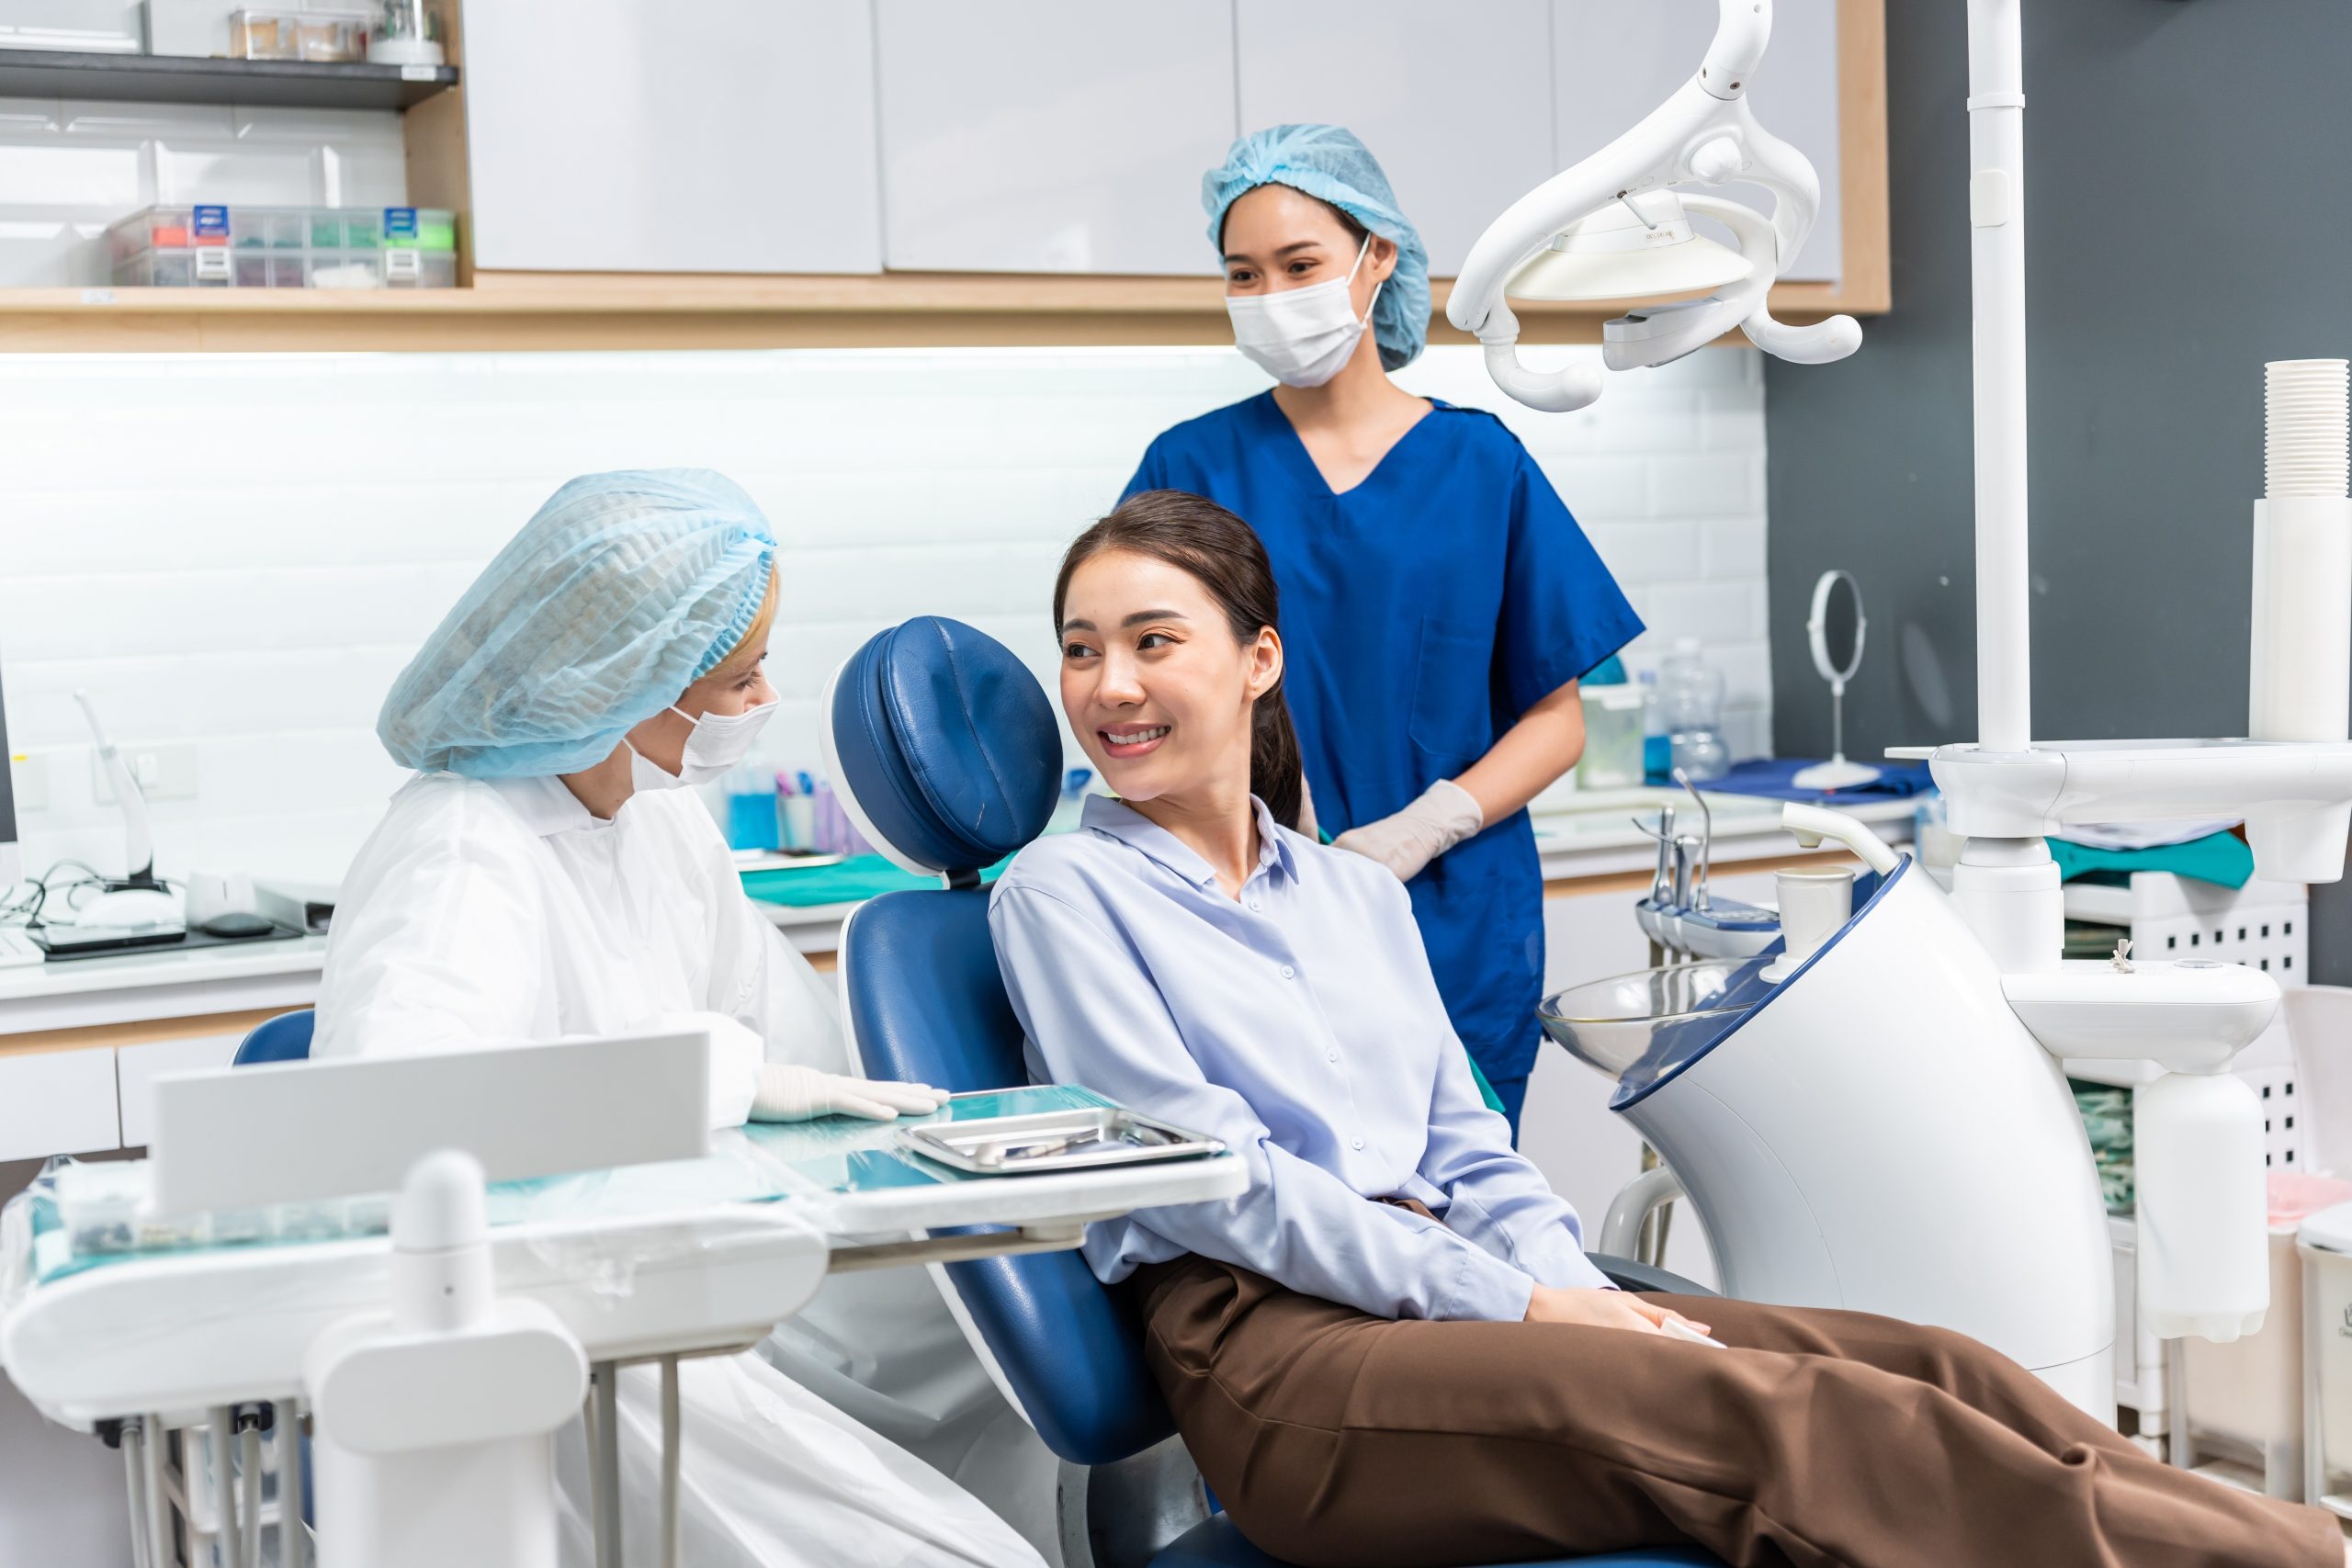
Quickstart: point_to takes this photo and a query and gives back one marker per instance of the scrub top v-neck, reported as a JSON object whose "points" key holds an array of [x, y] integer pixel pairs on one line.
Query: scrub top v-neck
{"points": [[1423, 610]]}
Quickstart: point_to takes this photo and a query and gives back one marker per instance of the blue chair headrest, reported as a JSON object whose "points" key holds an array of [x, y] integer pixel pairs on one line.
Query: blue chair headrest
{"points": [[942, 746]]}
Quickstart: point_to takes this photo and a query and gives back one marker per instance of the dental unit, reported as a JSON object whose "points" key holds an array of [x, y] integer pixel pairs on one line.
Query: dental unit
{"points": [[1873, 1114]]}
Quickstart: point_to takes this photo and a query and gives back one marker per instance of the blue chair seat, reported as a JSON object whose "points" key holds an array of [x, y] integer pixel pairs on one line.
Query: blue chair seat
{"points": [[1214, 1543]]}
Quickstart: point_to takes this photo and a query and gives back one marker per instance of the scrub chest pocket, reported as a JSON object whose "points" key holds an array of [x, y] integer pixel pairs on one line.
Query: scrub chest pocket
{"points": [[1452, 716]]}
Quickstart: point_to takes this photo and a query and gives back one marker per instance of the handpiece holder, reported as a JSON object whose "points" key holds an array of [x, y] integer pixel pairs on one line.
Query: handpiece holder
{"points": [[139, 841], [1705, 133]]}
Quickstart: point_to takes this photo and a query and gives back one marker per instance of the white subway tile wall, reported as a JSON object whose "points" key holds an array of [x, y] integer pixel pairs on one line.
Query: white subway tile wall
{"points": [[234, 556], [68, 169]]}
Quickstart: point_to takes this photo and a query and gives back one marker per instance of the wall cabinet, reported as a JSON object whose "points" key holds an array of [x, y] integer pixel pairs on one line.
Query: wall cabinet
{"points": [[1051, 136], [1458, 142], [622, 136]]}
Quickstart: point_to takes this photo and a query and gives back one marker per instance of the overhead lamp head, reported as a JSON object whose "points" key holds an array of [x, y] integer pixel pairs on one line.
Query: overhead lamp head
{"points": [[1638, 247]]}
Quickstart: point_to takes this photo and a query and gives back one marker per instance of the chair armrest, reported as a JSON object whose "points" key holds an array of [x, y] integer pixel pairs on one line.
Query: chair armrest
{"points": [[1628, 1275]]}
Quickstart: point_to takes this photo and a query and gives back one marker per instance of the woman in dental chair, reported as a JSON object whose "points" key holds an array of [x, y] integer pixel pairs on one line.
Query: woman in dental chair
{"points": [[1393, 1350]]}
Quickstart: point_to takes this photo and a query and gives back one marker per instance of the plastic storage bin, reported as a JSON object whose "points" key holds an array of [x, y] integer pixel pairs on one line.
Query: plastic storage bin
{"points": [[319, 37], [1612, 737], [286, 247], [2324, 1245]]}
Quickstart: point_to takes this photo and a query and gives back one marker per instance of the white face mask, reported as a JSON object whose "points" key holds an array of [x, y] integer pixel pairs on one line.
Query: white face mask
{"points": [[720, 742], [1301, 336]]}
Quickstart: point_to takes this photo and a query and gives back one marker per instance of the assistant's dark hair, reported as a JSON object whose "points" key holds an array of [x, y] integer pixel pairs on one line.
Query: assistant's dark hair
{"points": [[1196, 535]]}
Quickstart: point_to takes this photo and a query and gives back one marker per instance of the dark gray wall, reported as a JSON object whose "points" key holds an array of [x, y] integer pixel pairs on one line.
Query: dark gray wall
{"points": [[2188, 190]]}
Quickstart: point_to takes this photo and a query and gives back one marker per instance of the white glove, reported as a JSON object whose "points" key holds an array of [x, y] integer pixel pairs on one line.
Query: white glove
{"points": [[790, 1093], [1439, 818]]}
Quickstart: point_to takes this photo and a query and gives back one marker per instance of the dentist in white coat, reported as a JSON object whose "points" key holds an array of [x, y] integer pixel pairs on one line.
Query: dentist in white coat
{"points": [[545, 874]]}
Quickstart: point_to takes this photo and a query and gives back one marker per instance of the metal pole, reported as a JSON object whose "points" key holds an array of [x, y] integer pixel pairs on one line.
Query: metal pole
{"points": [[134, 1488], [249, 1487], [293, 1534], [1996, 251], [673, 1523], [159, 1519], [607, 1463], [222, 1452]]}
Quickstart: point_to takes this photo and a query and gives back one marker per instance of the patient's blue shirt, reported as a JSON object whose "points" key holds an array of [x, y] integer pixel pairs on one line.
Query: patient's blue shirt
{"points": [[1301, 1025]]}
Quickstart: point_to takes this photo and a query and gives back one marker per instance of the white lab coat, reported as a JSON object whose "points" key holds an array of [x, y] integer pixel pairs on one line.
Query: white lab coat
{"points": [[482, 911]]}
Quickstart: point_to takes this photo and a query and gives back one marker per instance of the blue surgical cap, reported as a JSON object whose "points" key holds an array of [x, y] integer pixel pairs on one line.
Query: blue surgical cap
{"points": [[622, 590], [1328, 164]]}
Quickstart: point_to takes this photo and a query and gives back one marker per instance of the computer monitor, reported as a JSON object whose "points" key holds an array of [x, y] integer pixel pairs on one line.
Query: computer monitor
{"points": [[12, 860]]}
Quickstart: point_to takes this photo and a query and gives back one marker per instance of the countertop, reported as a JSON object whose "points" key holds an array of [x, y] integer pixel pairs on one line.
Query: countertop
{"points": [[1596, 839]]}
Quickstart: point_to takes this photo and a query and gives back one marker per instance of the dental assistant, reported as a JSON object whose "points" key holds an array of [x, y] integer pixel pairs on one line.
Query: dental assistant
{"points": [[1441, 601], [547, 873]]}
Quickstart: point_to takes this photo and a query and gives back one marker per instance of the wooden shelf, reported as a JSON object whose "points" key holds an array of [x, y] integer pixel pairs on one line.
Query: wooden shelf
{"points": [[187, 79], [587, 311]]}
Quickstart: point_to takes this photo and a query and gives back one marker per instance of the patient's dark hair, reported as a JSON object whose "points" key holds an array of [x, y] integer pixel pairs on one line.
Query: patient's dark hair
{"points": [[1197, 535]]}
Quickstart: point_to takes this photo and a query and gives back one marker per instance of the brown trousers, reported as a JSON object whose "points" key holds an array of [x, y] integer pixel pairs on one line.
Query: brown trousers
{"points": [[1820, 1438]]}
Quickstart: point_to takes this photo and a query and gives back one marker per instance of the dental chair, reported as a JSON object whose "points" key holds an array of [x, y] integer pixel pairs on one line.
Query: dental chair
{"points": [[947, 756]]}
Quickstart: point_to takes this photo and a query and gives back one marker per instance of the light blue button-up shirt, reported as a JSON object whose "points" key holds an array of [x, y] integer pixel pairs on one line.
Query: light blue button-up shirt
{"points": [[1301, 1025]]}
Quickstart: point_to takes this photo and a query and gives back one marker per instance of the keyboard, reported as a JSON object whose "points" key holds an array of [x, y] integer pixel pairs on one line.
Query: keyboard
{"points": [[17, 948]]}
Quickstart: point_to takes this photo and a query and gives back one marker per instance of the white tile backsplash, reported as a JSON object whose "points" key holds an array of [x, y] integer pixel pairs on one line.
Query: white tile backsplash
{"points": [[239, 553]]}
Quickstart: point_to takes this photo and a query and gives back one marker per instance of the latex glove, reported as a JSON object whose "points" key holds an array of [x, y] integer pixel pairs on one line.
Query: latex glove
{"points": [[790, 1093], [1439, 818]]}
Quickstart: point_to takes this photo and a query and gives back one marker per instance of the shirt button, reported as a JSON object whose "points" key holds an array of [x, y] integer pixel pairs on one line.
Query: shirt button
{"points": [[1333, 1052], [1355, 1143], [1255, 905], [1289, 973]]}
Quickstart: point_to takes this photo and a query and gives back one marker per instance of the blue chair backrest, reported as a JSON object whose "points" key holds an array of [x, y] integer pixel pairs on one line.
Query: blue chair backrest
{"points": [[947, 756], [926, 1005], [286, 1038]]}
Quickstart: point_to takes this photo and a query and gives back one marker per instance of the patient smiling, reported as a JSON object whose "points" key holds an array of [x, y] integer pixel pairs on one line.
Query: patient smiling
{"points": [[1392, 1349]]}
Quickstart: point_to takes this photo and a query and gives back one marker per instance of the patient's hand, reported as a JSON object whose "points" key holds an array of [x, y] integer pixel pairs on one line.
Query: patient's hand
{"points": [[1601, 1309]]}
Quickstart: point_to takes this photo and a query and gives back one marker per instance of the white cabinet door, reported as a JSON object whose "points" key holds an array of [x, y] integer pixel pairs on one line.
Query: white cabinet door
{"points": [[57, 1103], [644, 136], [137, 1066], [1052, 135], [1614, 62], [1458, 144]]}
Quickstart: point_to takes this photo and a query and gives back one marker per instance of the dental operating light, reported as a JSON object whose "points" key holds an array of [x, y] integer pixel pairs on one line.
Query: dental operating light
{"points": [[1560, 242], [1637, 248]]}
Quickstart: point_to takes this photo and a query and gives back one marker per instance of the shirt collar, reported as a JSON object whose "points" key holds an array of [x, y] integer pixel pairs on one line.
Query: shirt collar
{"points": [[547, 805], [1116, 819]]}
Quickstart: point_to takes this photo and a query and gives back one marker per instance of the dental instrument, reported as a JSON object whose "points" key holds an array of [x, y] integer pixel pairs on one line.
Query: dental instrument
{"points": [[1679, 914], [1835, 632], [138, 901], [1617, 225]]}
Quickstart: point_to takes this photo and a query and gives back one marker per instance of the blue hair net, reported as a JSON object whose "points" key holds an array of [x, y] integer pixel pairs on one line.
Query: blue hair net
{"points": [[1328, 164], [622, 590]]}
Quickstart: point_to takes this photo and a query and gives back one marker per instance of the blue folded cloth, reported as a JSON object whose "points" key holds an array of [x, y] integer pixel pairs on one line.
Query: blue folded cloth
{"points": [[2220, 858], [1775, 776]]}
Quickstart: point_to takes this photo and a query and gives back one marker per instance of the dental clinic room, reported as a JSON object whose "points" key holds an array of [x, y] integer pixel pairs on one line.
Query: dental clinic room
{"points": [[1175, 784]]}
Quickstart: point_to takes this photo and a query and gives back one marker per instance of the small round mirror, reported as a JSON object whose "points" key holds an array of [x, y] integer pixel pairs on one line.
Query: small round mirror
{"points": [[1836, 626]]}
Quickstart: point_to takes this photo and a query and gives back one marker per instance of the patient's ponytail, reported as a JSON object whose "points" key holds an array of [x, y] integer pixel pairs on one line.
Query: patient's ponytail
{"points": [[1197, 535]]}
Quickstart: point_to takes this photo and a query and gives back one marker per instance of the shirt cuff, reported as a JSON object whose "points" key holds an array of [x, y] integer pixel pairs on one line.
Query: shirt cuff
{"points": [[1487, 1290]]}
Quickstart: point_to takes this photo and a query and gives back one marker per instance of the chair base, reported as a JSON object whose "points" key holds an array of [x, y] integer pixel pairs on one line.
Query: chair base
{"points": [[1217, 1544]]}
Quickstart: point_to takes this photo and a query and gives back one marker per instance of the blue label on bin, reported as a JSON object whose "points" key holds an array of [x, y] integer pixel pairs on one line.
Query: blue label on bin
{"points": [[400, 222], [211, 220]]}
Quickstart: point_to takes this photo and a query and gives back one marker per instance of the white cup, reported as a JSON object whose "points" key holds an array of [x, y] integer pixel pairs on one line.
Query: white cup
{"points": [[1814, 905]]}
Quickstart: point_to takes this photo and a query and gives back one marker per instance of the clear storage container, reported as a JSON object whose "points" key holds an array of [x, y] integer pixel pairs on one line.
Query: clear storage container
{"points": [[1690, 703], [321, 37], [286, 247], [1612, 737]]}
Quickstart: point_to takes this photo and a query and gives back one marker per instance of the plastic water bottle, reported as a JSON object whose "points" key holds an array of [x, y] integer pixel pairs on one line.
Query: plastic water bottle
{"points": [[1657, 746], [1691, 702], [751, 809]]}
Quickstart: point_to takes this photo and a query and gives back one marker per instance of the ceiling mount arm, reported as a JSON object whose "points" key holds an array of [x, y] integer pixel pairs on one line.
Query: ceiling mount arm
{"points": [[1743, 29]]}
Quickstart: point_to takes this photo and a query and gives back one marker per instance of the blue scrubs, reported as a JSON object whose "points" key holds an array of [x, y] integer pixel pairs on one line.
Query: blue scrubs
{"points": [[1423, 611]]}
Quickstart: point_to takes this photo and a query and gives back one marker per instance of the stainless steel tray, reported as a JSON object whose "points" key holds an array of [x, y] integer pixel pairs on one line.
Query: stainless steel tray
{"points": [[1082, 1139]]}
